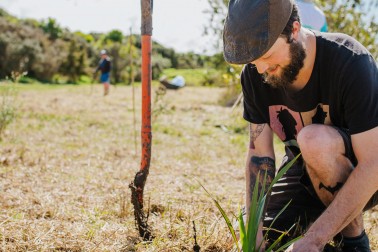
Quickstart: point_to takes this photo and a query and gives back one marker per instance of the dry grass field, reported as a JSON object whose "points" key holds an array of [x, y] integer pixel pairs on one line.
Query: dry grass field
{"points": [[68, 157]]}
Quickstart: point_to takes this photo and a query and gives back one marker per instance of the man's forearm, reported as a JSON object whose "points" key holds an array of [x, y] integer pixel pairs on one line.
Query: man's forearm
{"points": [[262, 168], [260, 160]]}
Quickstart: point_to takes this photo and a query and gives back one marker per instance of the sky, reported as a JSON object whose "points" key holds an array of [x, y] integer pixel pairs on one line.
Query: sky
{"points": [[177, 24]]}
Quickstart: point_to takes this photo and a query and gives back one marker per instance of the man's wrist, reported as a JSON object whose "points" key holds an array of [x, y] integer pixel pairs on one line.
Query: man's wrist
{"points": [[313, 237]]}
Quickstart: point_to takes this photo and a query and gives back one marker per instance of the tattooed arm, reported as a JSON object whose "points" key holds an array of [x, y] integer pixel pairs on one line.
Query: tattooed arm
{"points": [[260, 159]]}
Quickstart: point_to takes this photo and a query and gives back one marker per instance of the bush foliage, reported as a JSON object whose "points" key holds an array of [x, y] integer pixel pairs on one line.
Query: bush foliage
{"points": [[50, 53]]}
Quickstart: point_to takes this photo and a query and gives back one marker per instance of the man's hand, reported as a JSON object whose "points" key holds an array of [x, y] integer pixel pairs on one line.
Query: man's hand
{"points": [[302, 248], [304, 245]]}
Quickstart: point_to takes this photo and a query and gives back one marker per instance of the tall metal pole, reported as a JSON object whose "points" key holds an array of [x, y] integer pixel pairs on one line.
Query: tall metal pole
{"points": [[137, 187]]}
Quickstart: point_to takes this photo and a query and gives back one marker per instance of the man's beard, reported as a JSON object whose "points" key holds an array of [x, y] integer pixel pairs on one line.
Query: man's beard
{"points": [[290, 72]]}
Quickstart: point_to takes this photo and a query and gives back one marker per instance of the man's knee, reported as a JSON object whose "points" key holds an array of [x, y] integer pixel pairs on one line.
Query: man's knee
{"points": [[312, 139], [316, 139]]}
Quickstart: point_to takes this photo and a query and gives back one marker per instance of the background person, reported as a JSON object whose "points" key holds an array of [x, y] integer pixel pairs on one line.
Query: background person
{"points": [[311, 16], [104, 66], [318, 93]]}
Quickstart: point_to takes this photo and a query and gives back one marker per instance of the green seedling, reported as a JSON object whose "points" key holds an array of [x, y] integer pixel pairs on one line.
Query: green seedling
{"points": [[248, 234]]}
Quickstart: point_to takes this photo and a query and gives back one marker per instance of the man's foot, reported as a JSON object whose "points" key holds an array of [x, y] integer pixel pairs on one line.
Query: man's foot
{"points": [[356, 244]]}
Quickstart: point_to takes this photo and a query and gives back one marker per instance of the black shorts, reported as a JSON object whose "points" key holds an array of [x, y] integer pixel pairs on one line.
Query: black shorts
{"points": [[295, 187]]}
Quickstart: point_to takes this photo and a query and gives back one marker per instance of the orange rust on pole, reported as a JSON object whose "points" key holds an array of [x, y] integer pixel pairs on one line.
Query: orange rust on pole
{"points": [[137, 187], [146, 112], [146, 135], [146, 101]]}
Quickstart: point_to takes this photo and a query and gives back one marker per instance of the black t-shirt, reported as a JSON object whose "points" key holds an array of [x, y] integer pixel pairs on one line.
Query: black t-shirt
{"points": [[104, 65], [342, 91]]}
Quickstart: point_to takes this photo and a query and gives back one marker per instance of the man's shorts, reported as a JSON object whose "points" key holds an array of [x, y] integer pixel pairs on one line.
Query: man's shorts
{"points": [[105, 78], [295, 187]]}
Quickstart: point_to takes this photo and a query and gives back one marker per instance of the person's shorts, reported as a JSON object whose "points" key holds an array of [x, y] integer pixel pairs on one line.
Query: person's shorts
{"points": [[105, 78], [295, 187]]}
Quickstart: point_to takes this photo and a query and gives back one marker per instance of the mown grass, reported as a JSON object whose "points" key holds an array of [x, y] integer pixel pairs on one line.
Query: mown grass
{"points": [[68, 158]]}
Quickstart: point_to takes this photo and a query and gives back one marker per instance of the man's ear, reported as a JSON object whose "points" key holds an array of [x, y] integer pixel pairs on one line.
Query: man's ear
{"points": [[296, 29]]}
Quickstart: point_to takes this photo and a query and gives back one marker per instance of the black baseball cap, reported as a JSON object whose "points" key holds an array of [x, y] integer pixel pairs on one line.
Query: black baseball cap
{"points": [[252, 26]]}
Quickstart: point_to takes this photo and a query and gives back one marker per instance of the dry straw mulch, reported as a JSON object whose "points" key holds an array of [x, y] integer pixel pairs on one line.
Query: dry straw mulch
{"points": [[67, 160]]}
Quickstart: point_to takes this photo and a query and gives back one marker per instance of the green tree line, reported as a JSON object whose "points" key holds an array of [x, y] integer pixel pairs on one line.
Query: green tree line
{"points": [[44, 51], [357, 18]]}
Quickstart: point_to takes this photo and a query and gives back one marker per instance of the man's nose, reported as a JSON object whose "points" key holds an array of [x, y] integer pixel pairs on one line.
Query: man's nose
{"points": [[261, 66]]}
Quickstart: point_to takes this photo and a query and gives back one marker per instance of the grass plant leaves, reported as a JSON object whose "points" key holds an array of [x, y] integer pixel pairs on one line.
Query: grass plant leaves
{"points": [[224, 215], [248, 234]]}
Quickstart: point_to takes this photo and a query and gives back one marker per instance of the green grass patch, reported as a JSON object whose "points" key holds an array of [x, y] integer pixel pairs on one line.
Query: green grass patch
{"points": [[196, 77], [240, 141], [51, 117], [35, 86]]}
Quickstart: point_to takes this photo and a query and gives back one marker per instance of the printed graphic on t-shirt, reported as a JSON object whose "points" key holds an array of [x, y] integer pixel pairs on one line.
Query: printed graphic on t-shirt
{"points": [[287, 123]]}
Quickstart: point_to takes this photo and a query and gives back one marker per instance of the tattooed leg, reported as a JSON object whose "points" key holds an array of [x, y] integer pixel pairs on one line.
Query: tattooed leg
{"points": [[331, 189]]}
